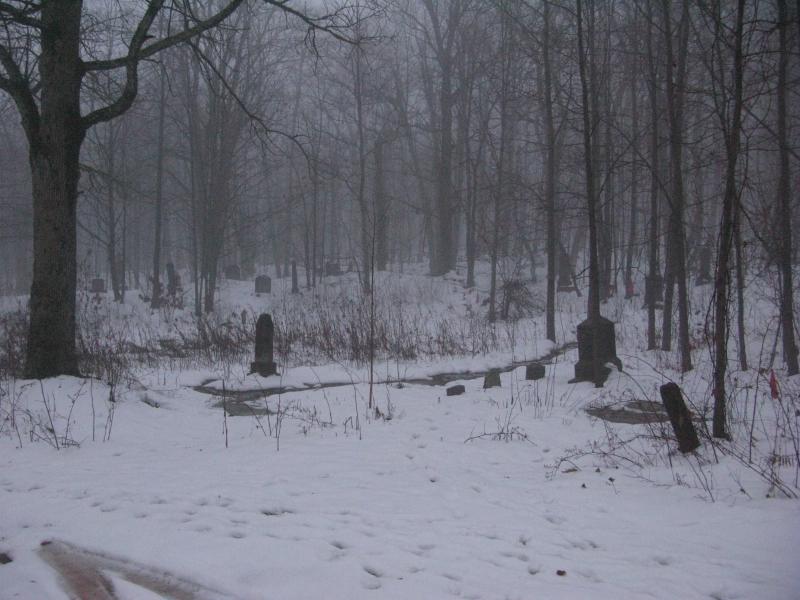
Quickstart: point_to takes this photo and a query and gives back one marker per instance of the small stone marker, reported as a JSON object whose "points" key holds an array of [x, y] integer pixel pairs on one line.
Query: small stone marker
{"points": [[295, 288], [704, 266], [564, 273], [263, 284], [534, 371], [332, 268], [264, 364], [455, 390], [653, 289], [492, 379], [598, 331], [98, 286], [233, 272], [680, 417], [173, 280]]}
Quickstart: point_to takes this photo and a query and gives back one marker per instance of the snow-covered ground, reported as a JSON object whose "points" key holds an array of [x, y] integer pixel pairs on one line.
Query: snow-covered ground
{"points": [[511, 492]]}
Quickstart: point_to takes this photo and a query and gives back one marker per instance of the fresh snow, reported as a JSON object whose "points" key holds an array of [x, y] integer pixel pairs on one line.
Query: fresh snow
{"points": [[425, 501]]}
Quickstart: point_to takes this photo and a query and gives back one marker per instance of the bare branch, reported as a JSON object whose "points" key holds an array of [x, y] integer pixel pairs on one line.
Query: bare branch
{"points": [[19, 15], [136, 53], [17, 86]]}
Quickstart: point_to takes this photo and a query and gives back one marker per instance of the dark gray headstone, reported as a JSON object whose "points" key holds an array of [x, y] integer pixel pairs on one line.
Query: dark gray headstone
{"points": [[295, 288], [98, 286], [600, 332], [534, 371], [173, 280], [455, 390], [233, 272], [680, 417], [332, 268], [653, 289], [564, 273], [263, 284], [703, 266], [492, 379], [264, 363]]}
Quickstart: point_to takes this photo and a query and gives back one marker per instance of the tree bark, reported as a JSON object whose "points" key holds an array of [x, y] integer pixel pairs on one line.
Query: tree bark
{"points": [[790, 351], [54, 151]]}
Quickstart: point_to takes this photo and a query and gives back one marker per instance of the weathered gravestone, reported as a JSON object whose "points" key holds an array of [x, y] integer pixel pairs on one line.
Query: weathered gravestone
{"points": [[534, 371], [332, 268], [173, 280], [564, 273], [455, 390], [653, 289], [599, 332], [98, 286], [264, 363], [295, 288], [263, 284], [492, 379], [703, 266], [233, 272], [680, 417]]}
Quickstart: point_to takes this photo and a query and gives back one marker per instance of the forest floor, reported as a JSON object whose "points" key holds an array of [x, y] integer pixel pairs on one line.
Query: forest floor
{"points": [[509, 492]]}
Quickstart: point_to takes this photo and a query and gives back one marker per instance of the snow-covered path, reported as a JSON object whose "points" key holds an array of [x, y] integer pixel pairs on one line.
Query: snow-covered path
{"points": [[408, 511]]}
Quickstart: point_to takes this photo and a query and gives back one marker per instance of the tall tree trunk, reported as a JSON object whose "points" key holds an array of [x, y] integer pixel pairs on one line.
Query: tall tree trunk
{"points": [[784, 198], [632, 231], [676, 262], [590, 122], [155, 300], [55, 140], [722, 275], [550, 180]]}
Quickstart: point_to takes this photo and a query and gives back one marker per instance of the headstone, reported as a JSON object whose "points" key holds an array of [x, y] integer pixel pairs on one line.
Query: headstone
{"points": [[492, 379], [703, 266], [564, 273], [263, 284], [534, 371], [264, 364], [653, 289], [295, 288], [680, 417], [98, 286], [630, 289], [233, 272], [455, 390], [243, 316], [173, 280], [601, 333], [332, 268]]}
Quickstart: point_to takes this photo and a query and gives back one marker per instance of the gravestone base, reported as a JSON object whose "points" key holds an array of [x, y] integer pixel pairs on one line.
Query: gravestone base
{"points": [[263, 284], [492, 379], [264, 368], [534, 371], [598, 331], [653, 290]]}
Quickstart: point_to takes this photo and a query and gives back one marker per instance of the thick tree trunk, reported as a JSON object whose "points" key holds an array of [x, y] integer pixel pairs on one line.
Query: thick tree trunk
{"points": [[550, 181], [54, 160], [722, 275], [784, 200]]}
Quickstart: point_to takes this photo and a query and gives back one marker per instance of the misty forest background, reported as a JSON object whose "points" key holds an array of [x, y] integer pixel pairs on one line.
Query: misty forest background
{"points": [[435, 135]]}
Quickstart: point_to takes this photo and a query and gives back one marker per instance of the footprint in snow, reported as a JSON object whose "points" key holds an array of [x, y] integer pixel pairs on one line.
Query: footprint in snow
{"points": [[555, 519], [521, 556]]}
